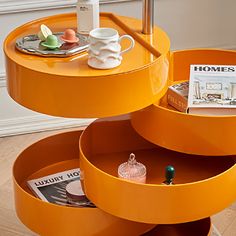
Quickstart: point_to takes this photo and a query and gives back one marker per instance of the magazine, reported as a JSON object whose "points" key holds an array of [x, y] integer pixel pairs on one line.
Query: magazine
{"points": [[52, 188], [212, 90]]}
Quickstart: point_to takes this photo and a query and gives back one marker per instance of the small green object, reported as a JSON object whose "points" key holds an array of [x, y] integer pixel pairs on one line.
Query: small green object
{"points": [[169, 174], [51, 42]]}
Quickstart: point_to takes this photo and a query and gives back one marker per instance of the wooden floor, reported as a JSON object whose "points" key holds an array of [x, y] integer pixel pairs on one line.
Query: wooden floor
{"points": [[10, 147]]}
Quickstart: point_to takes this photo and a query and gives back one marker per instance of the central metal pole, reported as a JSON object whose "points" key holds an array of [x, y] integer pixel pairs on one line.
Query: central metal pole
{"points": [[148, 16]]}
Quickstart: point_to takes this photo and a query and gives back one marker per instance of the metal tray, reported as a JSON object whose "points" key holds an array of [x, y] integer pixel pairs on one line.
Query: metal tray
{"points": [[31, 44]]}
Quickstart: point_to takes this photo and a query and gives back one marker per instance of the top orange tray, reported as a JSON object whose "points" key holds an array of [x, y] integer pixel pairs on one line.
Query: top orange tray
{"points": [[187, 133], [68, 87]]}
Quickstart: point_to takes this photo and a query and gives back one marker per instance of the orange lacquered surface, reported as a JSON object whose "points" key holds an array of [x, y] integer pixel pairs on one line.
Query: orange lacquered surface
{"points": [[68, 87], [107, 143], [195, 228], [194, 134], [47, 156]]}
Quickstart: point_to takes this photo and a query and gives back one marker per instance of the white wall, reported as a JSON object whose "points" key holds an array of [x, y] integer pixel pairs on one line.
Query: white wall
{"points": [[198, 23], [189, 24]]}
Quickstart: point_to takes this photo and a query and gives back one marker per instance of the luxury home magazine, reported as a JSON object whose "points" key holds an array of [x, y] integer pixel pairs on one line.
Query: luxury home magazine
{"points": [[212, 90], [52, 188]]}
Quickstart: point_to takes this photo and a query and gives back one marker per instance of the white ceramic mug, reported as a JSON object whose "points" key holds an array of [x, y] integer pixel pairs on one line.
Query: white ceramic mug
{"points": [[104, 48]]}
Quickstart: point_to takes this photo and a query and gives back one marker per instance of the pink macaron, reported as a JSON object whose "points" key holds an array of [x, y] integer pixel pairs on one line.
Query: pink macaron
{"points": [[69, 36]]}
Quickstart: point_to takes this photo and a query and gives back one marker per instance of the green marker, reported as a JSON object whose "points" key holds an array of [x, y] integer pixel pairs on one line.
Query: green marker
{"points": [[169, 174]]}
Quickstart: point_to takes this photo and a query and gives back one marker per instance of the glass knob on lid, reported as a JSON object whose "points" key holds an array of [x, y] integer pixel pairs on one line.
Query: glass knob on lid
{"points": [[132, 170]]}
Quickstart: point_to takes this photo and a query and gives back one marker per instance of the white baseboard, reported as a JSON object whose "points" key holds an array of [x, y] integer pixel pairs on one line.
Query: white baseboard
{"points": [[36, 123], [2, 79]]}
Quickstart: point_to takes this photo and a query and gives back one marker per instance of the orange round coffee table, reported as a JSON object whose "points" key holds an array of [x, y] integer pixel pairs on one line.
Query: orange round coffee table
{"points": [[67, 87]]}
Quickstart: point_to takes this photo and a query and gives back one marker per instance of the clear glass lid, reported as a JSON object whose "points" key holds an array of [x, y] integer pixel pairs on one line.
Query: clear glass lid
{"points": [[132, 170]]}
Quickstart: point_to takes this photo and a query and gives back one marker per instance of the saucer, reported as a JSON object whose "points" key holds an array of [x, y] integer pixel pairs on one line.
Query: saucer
{"points": [[50, 46]]}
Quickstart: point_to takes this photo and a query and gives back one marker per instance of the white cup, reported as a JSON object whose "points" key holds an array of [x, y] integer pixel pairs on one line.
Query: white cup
{"points": [[105, 49]]}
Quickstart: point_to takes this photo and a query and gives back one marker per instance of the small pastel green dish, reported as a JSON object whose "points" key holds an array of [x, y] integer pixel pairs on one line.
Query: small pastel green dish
{"points": [[51, 42]]}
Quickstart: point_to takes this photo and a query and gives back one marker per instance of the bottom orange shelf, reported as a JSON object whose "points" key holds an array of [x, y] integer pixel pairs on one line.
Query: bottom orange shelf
{"points": [[48, 156]]}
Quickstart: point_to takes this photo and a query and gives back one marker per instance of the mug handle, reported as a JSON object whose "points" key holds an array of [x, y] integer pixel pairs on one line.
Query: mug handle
{"points": [[131, 43]]}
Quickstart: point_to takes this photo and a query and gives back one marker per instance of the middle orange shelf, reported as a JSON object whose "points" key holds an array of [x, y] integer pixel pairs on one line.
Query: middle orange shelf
{"points": [[199, 181]]}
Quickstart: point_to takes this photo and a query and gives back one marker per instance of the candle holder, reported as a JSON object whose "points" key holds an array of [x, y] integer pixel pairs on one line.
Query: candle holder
{"points": [[132, 170]]}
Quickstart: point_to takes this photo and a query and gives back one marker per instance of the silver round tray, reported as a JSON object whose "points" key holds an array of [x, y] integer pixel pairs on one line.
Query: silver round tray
{"points": [[31, 44]]}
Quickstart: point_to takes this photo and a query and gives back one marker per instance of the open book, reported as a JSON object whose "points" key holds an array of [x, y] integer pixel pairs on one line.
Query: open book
{"points": [[212, 90]]}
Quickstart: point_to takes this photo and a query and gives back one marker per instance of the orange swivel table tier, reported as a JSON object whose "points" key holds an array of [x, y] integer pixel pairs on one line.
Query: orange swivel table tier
{"points": [[203, 185], [181, 132], [68, 87], [48, 156]]}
